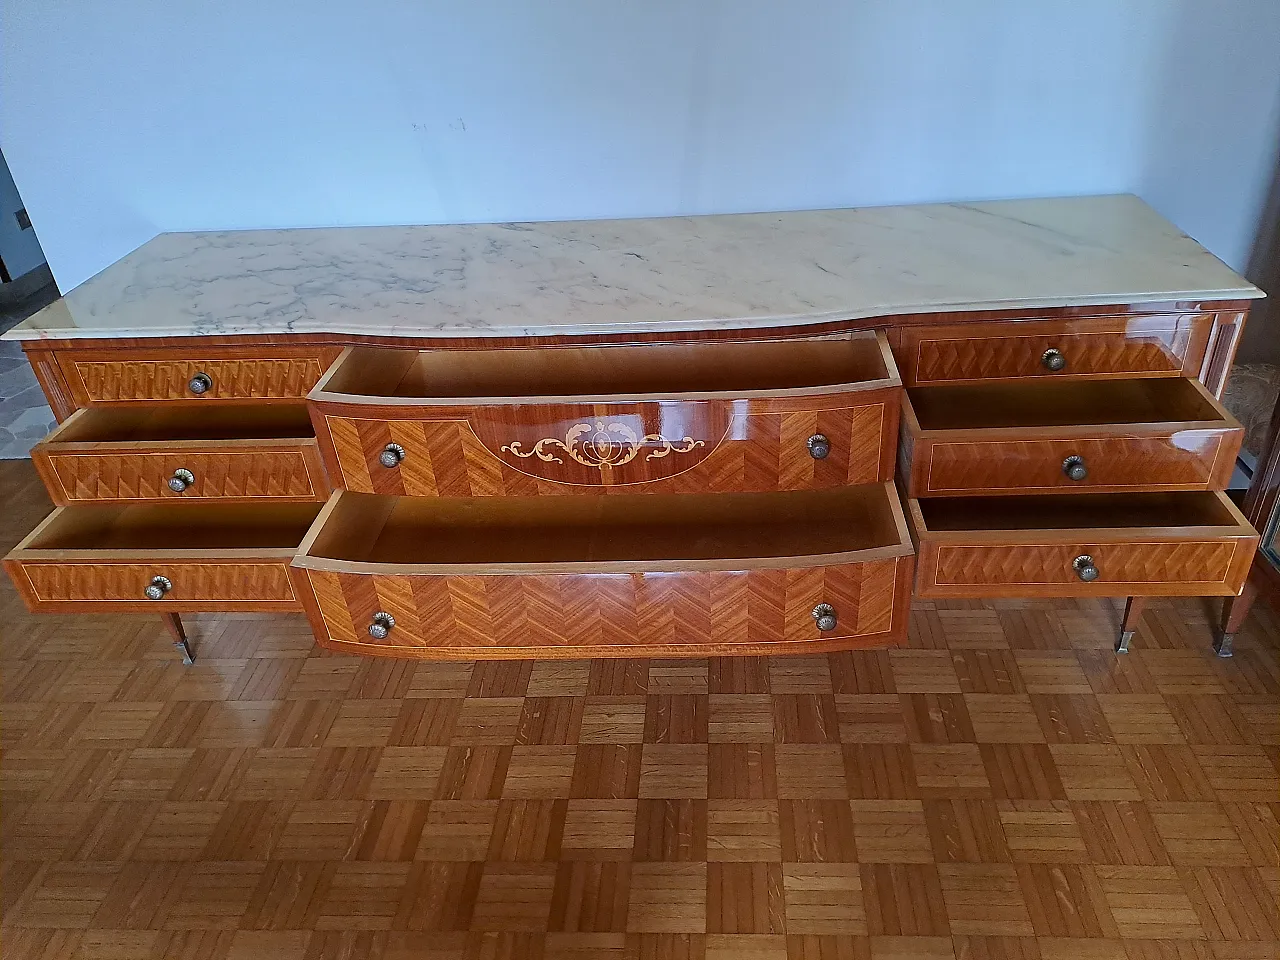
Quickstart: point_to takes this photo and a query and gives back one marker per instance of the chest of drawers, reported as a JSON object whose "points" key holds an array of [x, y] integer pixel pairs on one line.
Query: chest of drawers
{"points": [[728, 487]]}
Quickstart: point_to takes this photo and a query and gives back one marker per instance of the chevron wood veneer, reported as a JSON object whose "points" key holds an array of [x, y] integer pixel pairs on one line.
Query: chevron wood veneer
{"points": [[262, 472], [1093, 348], [230, 584], [1207, 568], [1003, 786], [747, 446], [611, 614], [282, 373], [1195, 459]]}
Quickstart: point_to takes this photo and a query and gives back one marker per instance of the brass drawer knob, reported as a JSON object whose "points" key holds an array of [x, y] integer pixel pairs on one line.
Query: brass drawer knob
{"points": [[819, 446], [824, 615], [1085, 569], [391, 455], [181, 479], [200, 383], [1074, 468], [1053, 360], [382, 624], [158, 587]]}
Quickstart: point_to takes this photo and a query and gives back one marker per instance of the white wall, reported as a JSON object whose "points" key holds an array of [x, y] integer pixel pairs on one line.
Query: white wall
{"points": [[124, 119]]}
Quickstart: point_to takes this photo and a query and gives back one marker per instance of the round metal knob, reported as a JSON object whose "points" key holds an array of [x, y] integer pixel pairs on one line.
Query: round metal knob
{"points": [[382, 624], [158, 587], [1053, 360], [181, 479], [824, 615], [819, 446], [200, 383], [391, 455], [1074, 468], [1084, 568]]}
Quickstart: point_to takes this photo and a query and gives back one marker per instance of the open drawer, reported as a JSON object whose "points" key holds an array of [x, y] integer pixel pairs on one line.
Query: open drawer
{"points": [[1099, 436], [161, 452], [659, 418], [1124, 544], [162, 557], [613, 576]]}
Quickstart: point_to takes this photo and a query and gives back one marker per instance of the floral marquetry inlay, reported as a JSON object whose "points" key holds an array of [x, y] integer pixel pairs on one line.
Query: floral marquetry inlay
{"points": [[603, 444]]}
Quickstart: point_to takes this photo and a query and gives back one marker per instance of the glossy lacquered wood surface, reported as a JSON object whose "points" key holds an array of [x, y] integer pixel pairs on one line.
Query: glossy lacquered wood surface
{"points": [[631, 577], [232, 452], [151, 373], [690, 613], [215, 557], [1016, 439], [1091, 348], [668, 419], [1174, 544], [678, 447]]}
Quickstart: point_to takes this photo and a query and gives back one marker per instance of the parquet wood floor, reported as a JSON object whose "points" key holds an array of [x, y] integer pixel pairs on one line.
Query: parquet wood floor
{"points": [[1007, 787]]}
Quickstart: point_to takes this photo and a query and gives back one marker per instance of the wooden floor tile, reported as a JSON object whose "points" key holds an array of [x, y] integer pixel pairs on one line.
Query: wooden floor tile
{"points": [[1005, 787]]}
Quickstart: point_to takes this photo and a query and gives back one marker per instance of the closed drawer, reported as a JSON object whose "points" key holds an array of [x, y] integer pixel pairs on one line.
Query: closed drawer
{"points": [[684, 418], [161, 452], [625, 576], [209, 556], [1101, 347], [1128, 544], [1116, 435], [217, 373]]}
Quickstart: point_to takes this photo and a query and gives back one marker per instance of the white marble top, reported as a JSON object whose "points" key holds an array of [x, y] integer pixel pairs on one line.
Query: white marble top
{"points": [[741, 270]]}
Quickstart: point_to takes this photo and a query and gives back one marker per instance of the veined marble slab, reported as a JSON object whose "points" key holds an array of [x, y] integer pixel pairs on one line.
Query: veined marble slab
{"points": [[690, 273]]}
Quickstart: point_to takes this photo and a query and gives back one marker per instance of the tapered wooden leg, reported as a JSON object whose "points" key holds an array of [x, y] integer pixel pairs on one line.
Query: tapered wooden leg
{"points": [[1132, 614], [1234, 610], [174, 624]]}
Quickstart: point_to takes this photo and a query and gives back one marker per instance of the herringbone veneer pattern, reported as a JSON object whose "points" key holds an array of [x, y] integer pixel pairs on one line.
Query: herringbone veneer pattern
{"points": [[1003, 787], [146, 379], [727, 609], [251, 475], [757, 451], [947, 354]]}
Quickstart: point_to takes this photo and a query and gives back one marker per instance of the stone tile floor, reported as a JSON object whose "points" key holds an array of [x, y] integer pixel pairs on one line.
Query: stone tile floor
{"points": [[25, 417]]}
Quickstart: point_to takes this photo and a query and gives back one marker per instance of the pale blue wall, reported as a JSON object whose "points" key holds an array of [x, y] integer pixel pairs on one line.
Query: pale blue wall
{"points": [[124, 119]]}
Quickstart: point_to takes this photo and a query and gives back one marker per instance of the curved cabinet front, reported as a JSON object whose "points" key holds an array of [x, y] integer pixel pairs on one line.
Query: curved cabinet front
{"points": [[682, 418], [694, 576]]}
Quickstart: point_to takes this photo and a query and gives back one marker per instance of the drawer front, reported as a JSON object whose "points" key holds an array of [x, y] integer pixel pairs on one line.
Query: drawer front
{"points": [[1183, 460], [660, 447], [220, 473], [196, 585], [1028, 568], [1088, 348], [270, 375], [605, 615]]}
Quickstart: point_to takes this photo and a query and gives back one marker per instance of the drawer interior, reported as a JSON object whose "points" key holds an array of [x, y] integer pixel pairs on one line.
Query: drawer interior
{"points": [[1077, 511], [1061, 404], [491, 530], [138, 423], [611, 371], [175, 526]]}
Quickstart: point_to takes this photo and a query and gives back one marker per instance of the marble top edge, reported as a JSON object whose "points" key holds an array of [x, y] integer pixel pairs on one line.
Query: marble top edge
{"points": [[642, 275]]}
